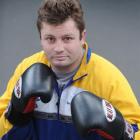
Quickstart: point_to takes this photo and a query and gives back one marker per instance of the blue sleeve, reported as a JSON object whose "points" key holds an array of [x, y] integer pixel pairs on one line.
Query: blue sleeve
{"points": [[21, 133]]}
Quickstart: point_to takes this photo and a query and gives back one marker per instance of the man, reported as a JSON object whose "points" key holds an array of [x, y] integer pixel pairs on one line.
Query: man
{"points": [[66, 92]]}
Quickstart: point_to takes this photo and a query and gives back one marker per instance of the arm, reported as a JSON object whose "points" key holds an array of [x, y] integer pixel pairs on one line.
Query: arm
{"points": [[93, 114], [123, 98], [5, 126], [112, 85], [11, 132], [37, 81]]}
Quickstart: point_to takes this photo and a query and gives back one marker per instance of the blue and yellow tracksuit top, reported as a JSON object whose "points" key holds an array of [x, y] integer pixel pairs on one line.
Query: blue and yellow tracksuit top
{"points": [[52, 120]]}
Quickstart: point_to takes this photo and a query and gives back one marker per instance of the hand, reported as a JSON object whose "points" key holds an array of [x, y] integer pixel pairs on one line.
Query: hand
{"points": [[37, 81], [93, 114]]}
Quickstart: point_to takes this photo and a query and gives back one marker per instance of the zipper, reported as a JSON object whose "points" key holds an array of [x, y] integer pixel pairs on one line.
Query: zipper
{"points": [[60, 90]]}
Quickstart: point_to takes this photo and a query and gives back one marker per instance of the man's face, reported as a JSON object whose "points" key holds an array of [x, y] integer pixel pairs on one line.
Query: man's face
{"points": [[62, 45]]}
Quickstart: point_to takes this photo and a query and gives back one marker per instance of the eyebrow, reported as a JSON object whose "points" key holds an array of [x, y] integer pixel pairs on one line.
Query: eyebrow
{"points": [[48, 35], [70, 34], [51, 35]]}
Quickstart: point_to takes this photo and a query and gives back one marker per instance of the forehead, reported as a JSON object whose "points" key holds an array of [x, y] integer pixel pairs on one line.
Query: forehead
{"points": [[69, 26]]}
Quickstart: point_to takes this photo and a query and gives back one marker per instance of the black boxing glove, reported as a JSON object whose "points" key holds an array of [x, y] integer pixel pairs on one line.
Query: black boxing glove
{"points": [[37, 81], [93, 114]]}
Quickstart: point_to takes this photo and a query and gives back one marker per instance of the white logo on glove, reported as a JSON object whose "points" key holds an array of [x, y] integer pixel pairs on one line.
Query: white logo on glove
{"points": [[18, 88], [109, 111], [129, 130]]}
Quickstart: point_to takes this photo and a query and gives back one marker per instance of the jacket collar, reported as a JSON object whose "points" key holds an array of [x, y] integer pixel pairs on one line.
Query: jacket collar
{"points": [[82, 71]]}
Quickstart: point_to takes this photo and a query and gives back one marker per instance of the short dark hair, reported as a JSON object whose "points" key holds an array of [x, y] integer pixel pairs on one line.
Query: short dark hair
{"points": [[56, 12]]}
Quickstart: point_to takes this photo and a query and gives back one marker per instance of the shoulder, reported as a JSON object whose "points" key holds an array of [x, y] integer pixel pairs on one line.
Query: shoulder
{"points": [[106, 79], [102, 66], [38, 57], [104, 73]]}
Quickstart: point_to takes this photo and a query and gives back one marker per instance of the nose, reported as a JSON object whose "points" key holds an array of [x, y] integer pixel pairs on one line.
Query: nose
{"points": [[59, 47]]}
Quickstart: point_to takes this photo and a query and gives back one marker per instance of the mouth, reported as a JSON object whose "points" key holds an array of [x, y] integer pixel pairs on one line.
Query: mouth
{"points": [[60, 58]]}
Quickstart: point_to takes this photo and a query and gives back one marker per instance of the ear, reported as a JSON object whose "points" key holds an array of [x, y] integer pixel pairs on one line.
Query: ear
{"points": [[83, 37]]}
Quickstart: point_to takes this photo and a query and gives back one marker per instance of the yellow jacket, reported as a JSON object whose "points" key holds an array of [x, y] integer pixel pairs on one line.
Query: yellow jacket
{"points": [[96, 75]]}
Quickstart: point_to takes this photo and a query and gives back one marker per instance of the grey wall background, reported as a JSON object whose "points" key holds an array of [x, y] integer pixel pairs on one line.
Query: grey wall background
{"points": [[113, 31]]}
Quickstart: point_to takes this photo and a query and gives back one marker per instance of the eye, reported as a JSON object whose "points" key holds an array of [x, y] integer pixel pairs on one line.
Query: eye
{"points": [[50, 39], [67, 39]]}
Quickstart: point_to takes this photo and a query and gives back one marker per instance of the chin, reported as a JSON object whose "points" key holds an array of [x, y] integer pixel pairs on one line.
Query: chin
{"points": [[60, 64]]}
